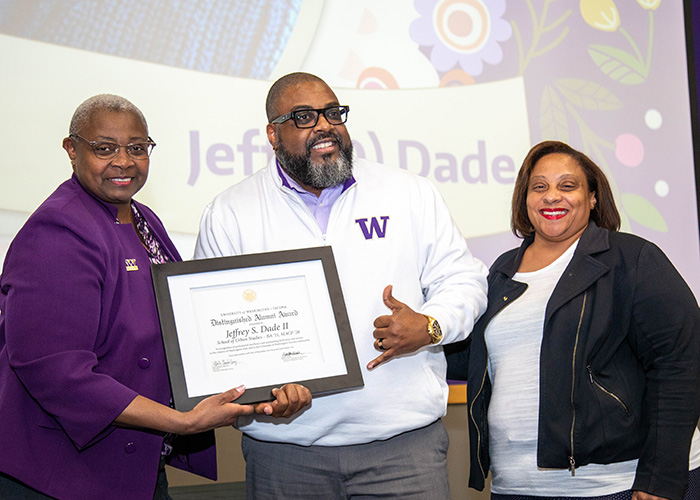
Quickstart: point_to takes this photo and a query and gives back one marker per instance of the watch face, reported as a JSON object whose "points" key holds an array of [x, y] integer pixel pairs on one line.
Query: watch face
{"points": [[435, 331]]}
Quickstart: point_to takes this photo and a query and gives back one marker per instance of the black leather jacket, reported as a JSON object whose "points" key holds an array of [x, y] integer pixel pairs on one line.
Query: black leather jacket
{"points": [[619, 363]]}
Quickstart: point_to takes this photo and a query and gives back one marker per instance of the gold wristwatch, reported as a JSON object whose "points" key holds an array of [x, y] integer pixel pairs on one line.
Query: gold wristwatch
{"points": [[434, 330]]}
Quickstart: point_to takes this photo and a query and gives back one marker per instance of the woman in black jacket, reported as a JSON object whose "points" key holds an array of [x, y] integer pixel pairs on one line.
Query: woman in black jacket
{"points": [[584, 378]]}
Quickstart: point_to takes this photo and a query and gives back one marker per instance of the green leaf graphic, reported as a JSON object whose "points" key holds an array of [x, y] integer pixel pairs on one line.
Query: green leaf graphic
{"points": [[643, 212], [553, 122], [619, 65], [587, 94]]}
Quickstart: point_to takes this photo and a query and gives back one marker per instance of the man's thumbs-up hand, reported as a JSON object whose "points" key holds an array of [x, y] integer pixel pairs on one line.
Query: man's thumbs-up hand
{"points": [[401, 332]]}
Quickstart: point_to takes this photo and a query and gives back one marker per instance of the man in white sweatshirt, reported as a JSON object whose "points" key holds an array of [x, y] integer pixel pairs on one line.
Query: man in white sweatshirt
{"points": [[410, 284]]}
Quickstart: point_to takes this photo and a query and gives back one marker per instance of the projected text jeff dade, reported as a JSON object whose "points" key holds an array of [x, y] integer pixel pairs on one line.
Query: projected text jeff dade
{"points": [[477, 166]]}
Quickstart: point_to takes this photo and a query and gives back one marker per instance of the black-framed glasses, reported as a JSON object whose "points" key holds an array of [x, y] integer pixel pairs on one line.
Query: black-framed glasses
{"points": [[308, 118], [105, 150]]}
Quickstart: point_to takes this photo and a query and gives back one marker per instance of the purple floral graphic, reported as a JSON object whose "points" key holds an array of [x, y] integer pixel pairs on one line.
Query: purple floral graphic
{"points": [[461, 32]]}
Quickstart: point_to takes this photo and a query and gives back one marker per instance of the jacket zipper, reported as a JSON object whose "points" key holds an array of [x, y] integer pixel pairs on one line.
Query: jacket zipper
{"points": [[471, 415], [609, 393], [481, 387], [572, 461]]}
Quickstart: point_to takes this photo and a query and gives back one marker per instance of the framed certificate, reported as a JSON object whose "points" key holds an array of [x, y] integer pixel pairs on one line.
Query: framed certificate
{"points": [[262, 320]]}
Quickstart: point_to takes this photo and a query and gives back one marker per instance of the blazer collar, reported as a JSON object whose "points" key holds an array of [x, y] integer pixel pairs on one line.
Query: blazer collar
{"points": [[593, 240]]}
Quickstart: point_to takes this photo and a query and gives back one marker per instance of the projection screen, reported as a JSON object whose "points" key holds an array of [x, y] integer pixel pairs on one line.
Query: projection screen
{"points": [[453, 90]]}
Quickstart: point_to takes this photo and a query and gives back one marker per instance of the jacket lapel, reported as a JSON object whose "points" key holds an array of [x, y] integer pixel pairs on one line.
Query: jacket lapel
{"points": [[583, 270]]}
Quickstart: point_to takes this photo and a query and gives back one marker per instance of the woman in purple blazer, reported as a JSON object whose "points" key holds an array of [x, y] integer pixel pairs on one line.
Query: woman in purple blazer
{"points": [[84, 390]]}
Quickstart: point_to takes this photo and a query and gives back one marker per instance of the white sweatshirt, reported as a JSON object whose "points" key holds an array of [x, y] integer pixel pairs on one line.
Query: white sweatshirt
{"points": [[414, 246]]}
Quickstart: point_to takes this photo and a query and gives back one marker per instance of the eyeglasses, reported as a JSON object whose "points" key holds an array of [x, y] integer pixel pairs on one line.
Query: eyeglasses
{"points": [[108, 150], [308, 118]]}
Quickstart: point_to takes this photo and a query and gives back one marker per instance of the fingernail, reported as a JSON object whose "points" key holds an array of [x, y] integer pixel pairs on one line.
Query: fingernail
{"points": [[240, 388], [268, 410]]}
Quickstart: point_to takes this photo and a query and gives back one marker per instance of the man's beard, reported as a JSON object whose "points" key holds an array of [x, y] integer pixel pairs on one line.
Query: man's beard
{"points": [[318, 175]]}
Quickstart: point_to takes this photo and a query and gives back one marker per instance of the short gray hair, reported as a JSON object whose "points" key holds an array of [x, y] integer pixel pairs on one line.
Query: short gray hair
{"points": [[103, 102]]}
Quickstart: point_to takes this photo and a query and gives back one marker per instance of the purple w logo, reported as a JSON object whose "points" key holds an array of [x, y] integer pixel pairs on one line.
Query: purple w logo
{"points": [[373, 227]]}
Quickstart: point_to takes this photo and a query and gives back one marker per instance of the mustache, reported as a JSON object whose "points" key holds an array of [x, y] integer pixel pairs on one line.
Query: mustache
{"points": [[324, 135]]}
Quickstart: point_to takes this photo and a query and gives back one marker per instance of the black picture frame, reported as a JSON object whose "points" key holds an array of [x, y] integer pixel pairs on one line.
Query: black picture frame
{"points": [[173, 281]]}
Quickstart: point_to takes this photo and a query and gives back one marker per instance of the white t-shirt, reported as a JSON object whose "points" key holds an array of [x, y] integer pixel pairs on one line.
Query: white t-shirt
{"points": [[514, 338]]}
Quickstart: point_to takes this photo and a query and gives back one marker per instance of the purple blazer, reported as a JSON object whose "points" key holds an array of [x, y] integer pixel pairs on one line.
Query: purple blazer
{"points": [[79, 339]]}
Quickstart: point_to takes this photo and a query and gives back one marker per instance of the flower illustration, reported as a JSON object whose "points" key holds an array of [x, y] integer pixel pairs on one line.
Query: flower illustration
{"points": [[601, 14], [649, 4], [461, 32]]}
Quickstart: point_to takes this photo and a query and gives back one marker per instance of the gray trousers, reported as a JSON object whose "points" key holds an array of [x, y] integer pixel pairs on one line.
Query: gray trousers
{"points": [[410, 466]]}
